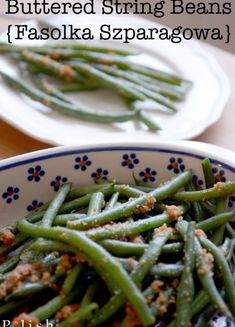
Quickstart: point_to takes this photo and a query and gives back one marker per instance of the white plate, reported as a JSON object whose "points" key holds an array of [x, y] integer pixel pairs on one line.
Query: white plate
{"points": [[202, 108]]}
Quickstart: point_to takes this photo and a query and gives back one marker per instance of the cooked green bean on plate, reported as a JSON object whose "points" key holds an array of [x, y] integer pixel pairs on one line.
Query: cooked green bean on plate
{"points": [[52, 72]]}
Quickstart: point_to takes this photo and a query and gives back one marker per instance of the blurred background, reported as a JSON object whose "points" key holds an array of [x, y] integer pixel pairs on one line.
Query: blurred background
{"points": [[184, 20]]}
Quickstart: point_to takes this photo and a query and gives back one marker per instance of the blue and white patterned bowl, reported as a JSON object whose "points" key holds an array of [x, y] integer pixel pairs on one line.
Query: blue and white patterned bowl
{"points": [[28, 181]]}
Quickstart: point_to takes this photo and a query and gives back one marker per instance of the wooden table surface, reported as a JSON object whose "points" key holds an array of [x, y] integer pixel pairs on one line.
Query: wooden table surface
{"points": [[13, 142]]}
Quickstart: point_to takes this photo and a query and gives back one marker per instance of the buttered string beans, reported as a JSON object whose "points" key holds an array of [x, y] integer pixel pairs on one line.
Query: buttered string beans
{"points": [[146, 249], [53, 70]]}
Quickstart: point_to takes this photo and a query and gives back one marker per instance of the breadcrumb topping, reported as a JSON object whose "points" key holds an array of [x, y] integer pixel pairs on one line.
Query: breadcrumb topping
{"points": [[219, 186], [64, 265], [7, 237], [160, 231], [173, 212], [137, 240], [147, 206], [66, 311], [17, 276], [67, 73], [208, 262], [200, 233], [157, 286]]}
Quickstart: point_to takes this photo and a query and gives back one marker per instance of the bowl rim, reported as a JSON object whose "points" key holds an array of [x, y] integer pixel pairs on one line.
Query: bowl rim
{"points": [[195, 149]]}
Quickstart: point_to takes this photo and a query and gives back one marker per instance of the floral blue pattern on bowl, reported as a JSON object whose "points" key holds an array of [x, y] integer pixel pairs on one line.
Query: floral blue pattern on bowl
{"points": [[35, 173], [35, 204], [82, 162], [148, 175], [28, 181], [11, 194], [129, 160], [57, 182]]}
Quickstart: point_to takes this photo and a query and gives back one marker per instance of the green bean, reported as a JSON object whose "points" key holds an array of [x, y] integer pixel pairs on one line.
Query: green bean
{"points": [[124, 64], [118, 248], [171, 90], [167, 270], [128, 191], [127, 209], [230, 230], [165, 103], [156, 74], [28, 289], [124, 210], [84, 190], [226, 247], [112, 202], [160, 88], [208, 207], [96, 204], [89, 47], [171, 187], [61, 220], [99, 257], [42, 245], [9, 264], [200, 301], [62, 71], [48, 88], [10, 307], [128, 264], [226, 274], [82, 314], [133, 228], [84, 200], [216, 221], [107, 81], [205, 276], [145, 189], [67, 109], [171, 248], [71, 279], [145, 263], [185, 291], [72, 205], [87, 299], [218, 191], [55, 205], [198, 211], [66, 295], [50, 308], [126, 249], [144, 117], [218, 235], [208, 174], [77, 87]]}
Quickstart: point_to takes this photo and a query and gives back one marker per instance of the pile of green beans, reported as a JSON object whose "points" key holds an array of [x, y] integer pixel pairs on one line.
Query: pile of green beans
{"points": [[54, 71], [120, 255]]}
